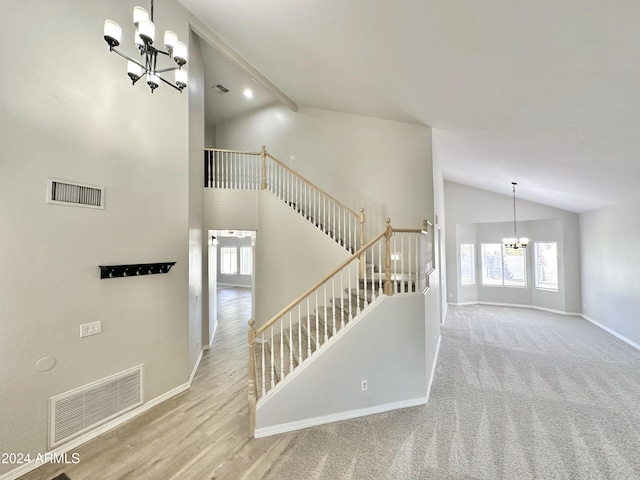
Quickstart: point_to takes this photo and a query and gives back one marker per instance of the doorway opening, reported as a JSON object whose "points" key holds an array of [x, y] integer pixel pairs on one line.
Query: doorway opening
{"points": [[231, 268]]}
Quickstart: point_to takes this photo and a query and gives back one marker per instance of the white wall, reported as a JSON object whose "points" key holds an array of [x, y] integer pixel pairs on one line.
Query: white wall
{"points": [[610, 265], [380, 165], [77, 117], [198, 303], [392, 360], [479, 216], [292, 255]]}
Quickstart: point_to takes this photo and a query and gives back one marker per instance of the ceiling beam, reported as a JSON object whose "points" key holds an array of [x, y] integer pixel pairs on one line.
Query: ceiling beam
{"points": [[225, 49]]}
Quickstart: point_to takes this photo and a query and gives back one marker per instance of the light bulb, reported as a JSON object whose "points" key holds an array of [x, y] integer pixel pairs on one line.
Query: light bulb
{"points": [[170, 39], [139, 15], [112, 33], [180, 53], [134, 70], [181, 79], [153, 81], [147, 30]]}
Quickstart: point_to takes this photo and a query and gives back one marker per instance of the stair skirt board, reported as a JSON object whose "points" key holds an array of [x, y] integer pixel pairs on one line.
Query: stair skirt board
{"points": [[323, 348], [336, 417]]}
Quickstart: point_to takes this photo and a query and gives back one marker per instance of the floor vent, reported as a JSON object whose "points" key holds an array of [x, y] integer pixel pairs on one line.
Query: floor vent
{"points": [[62, 192], [80, 410]]}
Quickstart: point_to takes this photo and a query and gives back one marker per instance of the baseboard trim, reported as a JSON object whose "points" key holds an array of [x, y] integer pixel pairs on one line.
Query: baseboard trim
{"points": [[433, 369], [67, 447], [336, 417], [518, 305], [195, 368], [612, 332]]}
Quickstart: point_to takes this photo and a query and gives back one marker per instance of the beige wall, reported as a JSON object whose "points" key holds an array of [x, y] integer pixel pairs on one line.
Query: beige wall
{"points": [[70, 112], [379, 165]]}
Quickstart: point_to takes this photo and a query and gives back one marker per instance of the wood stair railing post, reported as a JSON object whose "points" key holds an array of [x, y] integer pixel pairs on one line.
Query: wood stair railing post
{"points": [[252, 378], [388, 285], [263, 167], [363, 256]]}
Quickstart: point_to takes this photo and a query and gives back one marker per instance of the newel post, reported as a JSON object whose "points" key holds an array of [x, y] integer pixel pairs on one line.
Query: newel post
{"points": [[388, 286], [252, 378], [363, 258], [263, 168]]}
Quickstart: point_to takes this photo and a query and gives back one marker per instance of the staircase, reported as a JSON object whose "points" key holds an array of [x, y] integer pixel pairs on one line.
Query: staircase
{"points": [[394, 262]]}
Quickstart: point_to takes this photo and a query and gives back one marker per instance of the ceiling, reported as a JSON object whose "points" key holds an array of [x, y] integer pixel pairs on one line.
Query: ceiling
{"points": [[220, 71], [545, 93]]}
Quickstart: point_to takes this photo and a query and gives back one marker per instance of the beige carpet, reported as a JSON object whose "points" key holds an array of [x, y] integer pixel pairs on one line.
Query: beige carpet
{"points": [[518, 394]]}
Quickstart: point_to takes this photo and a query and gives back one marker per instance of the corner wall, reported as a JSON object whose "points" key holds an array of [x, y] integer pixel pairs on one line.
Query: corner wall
{"points": [[82, 120], [610, 266]]}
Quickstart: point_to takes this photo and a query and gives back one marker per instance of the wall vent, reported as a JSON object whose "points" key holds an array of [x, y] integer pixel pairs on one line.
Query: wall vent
{"points": [[221, 88], [80, 410], [62, 192]]}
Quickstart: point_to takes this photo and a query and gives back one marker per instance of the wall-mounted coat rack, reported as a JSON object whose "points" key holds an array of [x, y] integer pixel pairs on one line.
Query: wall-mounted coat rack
{"points": [[135, 270]]}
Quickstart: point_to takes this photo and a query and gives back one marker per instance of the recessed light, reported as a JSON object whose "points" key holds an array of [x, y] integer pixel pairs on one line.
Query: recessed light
{"points": [[248, 93]]}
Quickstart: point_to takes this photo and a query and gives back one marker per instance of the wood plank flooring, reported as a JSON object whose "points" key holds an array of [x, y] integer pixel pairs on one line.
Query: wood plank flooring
{"points": [[201, 433]]}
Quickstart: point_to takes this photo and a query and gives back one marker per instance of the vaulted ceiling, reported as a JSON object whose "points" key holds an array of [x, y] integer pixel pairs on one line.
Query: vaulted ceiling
{"points": [[545, 93]]}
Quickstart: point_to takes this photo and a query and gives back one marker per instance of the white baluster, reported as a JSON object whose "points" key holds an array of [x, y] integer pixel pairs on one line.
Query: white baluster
{"points": [[325, 318], [264, 386], [380, 269], [349, 292], [299, 335], [290, 344], [395, 264], [308, 330], [281, 348], [273, 368], [366, 301], [317, 324], [341, 299], [357, 289], [333, 301]]}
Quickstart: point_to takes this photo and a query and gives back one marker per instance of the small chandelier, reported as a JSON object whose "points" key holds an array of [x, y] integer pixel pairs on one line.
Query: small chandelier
{"points": [[144, 37], [515, 242]]}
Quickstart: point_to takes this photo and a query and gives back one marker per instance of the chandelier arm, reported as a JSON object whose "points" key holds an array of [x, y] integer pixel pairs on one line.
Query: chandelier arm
{"points": [[127, 57], [169, 69], [169, 83]]}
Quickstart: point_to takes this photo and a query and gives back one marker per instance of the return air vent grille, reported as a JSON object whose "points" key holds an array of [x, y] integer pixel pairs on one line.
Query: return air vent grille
{"points": [[62, 192], [80, 410]]}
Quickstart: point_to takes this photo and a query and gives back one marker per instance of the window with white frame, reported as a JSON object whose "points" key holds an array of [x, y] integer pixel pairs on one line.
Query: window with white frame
{"points": [[229, 260], [467, 264], [503, 266], [545, 259], [245, 260]]}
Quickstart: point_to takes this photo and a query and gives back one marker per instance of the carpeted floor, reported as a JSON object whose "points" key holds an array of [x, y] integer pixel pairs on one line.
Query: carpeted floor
{"points": [[518, 394]]}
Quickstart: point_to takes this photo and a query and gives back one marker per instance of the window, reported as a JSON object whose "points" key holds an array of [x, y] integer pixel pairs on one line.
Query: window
{"points": [[545, 258], [467, 264], [503, 266], [229, 260], [245, 260]]}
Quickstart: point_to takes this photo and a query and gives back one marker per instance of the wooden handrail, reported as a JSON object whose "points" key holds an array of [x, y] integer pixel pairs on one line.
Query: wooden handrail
{"points": [[213, 149], [407, 230], [340, 204], [293, 304]]}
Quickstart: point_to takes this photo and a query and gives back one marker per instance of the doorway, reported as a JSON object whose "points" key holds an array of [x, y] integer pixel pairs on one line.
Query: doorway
{"points": [[231, 267]]}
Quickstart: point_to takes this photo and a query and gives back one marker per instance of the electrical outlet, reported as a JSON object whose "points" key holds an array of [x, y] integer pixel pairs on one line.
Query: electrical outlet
{"points": [[364, 385], [90, 329]]}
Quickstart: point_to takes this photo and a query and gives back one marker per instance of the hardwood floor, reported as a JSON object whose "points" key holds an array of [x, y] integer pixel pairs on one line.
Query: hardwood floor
{"points": [[201, 433]]}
